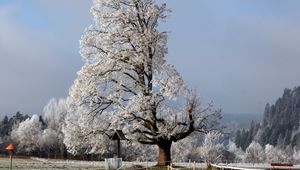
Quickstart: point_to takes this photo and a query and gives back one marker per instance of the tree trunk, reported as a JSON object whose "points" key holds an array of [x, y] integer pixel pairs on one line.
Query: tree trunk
{"points": [[164, 153]]}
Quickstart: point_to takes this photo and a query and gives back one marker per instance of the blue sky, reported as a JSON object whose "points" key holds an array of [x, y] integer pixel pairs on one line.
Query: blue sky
{"points": [[240, 54]]}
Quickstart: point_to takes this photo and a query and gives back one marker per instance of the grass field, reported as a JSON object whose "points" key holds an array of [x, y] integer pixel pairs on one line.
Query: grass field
{"points": [[44, 164], [32, 164]]}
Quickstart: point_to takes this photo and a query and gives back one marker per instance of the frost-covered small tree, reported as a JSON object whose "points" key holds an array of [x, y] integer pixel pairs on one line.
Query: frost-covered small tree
{"points": [[296, 156], [183, 148], [238, 152], [49, 142], [126, 83], [274, 154], [212, 149], [52, 137], [54, 113], [254, 153], [27, 134]]}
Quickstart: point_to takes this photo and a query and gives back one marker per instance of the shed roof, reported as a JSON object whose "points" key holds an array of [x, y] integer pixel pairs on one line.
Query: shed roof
{"points": [[118, 135]]}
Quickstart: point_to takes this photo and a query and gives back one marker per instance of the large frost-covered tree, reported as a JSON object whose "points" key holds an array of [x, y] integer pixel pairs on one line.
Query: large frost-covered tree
{"points": [[126, 83]]}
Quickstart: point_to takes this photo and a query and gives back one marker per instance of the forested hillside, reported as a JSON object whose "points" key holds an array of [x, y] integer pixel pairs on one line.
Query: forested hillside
{"points": [[280, 125], [7, 124]]}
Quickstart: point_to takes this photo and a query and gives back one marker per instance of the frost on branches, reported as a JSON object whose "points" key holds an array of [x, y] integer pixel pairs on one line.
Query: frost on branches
{"points": [[212, 149], [238, 152], [126, 83], [254, 153], [52, 137], [27, 134]]}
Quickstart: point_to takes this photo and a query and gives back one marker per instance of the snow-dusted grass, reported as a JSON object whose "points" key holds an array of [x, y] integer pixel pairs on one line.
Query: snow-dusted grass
{"points": [[53, 164], [151, 165], [44, 164]]}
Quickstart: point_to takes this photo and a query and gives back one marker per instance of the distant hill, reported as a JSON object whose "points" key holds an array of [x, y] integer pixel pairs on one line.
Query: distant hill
{"points": [[280, 125]]}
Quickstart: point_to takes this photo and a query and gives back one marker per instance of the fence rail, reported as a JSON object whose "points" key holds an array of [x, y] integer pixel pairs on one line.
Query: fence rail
{"points": [[249, 166], [125, 165]]}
